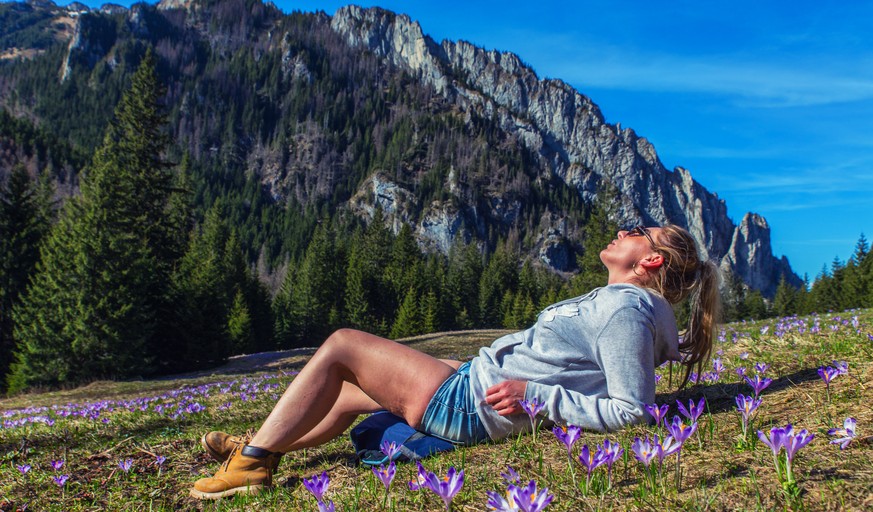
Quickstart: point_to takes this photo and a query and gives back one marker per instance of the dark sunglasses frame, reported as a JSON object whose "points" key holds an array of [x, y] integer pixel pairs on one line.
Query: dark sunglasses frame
{"points": [[642, 231]]}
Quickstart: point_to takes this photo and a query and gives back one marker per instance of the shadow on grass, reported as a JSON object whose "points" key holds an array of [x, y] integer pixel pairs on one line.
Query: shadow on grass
{"points": [[721, 397]]}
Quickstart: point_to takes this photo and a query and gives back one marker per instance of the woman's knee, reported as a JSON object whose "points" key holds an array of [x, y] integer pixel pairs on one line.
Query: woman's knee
{"points": [[341, 342], [341, 337]]}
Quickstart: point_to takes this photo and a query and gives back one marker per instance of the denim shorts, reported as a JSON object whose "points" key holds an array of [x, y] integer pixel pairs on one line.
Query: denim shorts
{"points": [[451, 414]]}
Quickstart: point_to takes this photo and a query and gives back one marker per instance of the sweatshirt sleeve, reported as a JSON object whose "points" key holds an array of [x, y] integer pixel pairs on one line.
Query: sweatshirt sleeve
{"points": [[624, 351]]}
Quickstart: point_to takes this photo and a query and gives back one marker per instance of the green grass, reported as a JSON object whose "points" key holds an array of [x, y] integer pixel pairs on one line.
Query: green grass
{"points": [[718, 471]]}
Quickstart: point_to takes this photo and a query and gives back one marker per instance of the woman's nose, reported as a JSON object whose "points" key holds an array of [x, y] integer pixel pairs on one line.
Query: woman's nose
{"points": [[622, 234]]}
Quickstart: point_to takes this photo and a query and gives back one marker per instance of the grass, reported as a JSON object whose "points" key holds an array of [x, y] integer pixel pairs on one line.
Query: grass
{"points": [[95, 428]]}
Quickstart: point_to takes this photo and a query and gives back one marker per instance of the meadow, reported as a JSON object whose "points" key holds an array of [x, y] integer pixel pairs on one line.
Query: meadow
{"points": [[135, 445]]}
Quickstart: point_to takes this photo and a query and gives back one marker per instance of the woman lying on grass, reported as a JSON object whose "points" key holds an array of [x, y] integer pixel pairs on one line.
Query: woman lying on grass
{"points": [[591, 360]]}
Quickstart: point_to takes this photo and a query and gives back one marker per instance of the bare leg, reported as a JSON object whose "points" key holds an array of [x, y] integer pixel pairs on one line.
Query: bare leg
{"points": [[351, 402], [351, 373]]}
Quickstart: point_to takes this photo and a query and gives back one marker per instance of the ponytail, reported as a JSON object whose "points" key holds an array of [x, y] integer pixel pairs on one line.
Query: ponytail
{"points": [[696, 343], [683, 275]]}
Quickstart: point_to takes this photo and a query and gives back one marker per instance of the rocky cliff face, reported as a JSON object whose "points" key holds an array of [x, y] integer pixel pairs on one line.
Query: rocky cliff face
{"points": [[568, 133], [561, 130]]}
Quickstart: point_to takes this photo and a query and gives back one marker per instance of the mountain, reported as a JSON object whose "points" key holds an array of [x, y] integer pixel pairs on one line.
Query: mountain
{"points": [[298, 116]]}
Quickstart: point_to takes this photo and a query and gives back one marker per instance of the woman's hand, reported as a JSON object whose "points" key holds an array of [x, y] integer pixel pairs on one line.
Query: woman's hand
{"points": [[505, 397]]}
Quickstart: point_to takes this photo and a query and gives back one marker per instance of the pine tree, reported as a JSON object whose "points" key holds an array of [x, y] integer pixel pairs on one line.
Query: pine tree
{"points": [[785, 301], [284, 327], [804, 300], [464, 272], [91, 310], [359, 277], [755, 306], [855, 282], [368, 300], [239, 325], [408, 322], [430, 313], [500, 275], [201, 300], [734, 298], [405, 255], [316, 296], [25, 218]]}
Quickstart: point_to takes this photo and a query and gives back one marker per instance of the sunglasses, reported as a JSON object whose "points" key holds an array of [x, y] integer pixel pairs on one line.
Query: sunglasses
{"points": [[641, 231]]}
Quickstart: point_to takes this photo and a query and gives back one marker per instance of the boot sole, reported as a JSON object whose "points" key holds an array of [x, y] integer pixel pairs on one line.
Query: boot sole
{"points": [[249, 489], [212, 453]]}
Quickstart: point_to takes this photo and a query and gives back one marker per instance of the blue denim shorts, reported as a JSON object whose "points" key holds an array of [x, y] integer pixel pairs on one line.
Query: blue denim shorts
{"points": [[451, 413]]}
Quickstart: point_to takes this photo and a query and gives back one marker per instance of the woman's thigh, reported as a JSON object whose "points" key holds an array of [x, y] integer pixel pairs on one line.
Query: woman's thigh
{"points": [[397, 377]]}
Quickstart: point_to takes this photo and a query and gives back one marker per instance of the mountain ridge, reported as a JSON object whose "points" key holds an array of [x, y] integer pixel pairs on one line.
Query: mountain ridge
{"points": [[565, 139]]}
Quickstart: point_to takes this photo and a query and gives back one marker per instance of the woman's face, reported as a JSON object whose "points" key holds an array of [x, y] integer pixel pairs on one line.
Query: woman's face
{"points": [[629, 250]]}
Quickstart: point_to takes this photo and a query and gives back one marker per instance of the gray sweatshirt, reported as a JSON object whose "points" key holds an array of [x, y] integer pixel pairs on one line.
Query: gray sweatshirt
{"points": [[591, 360]]}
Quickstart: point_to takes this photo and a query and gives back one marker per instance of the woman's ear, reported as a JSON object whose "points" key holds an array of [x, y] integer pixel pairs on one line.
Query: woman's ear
{"points": [[652, 262]]}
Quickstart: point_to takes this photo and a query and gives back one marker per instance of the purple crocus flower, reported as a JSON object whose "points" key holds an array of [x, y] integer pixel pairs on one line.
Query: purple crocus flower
{"points": [[325, 507], [741, 371], [794, 442], [386, 476], [532, 407], [665, 448], [528, 499], [447, 487], [317, 485], [125, 465], [762, 368], [659, 413], [776, 439], [693, 411], [847, 433], [644, 450], [420, 478], [568, 435], [590, 459], [390, 449], [758, 384], [57, 464], [842, 367], [827, 374], [611, 453], [498, 503], [159, 460], [61, 480], [680, 431], [747, 405], [511, 476], [23, 468]]}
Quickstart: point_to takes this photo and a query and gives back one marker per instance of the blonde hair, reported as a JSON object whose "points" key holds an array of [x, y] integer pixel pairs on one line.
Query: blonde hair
{"points": [[684, 275]]}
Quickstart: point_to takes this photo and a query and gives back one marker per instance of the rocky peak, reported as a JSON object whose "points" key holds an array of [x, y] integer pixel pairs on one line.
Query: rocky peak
{"points": [[568, 132]]}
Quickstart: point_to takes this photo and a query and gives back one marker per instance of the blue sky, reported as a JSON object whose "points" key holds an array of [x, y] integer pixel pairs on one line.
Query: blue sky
{"points": [[768, 104]]}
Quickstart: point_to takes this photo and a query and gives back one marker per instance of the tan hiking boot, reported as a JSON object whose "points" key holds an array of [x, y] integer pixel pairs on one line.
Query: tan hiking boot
{"points": [[247, 470], [219, 445]]}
